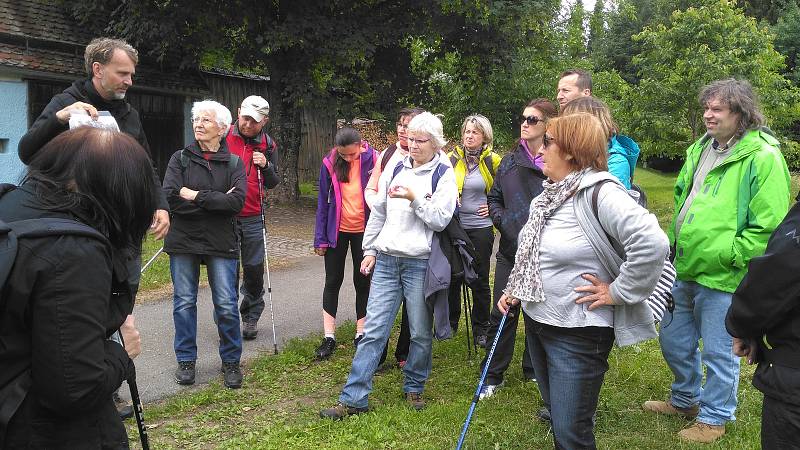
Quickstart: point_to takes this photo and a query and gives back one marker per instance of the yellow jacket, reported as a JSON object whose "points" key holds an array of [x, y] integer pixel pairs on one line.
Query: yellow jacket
{"points": [[488, 162]]}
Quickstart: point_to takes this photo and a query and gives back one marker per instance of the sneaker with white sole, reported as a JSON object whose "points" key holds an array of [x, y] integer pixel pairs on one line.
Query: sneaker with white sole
{"points": [[488, 390]]}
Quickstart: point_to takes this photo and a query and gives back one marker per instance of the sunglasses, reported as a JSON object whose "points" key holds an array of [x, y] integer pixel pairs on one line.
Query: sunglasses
{"points": [[547, 140], [531, 120]]}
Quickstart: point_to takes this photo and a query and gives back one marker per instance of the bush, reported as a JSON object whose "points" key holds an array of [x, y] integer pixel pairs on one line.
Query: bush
{"points": [[791, 153]]}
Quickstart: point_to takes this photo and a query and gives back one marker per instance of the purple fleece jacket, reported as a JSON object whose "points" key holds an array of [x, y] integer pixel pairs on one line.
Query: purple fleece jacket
{"points": [[329, 200]]}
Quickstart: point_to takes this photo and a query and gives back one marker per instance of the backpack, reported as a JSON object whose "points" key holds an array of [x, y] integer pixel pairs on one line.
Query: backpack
{"points": [[660, 300], [489, 162], [387, 155], [455, 244], [14, 387]]}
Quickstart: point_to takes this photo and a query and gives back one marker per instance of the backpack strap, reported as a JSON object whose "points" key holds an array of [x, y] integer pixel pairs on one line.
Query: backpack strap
{"points": [[490, 164], [53, 226], [387, 155]]}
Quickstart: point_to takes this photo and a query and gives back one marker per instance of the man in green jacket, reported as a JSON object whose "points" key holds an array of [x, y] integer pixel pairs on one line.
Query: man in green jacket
{"points": [[730, 195]]}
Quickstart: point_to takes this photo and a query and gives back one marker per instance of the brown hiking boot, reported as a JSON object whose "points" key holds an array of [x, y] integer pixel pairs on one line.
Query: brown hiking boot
{"points": [[702, 432], [340, 411], [669, 409], [415, 400]]}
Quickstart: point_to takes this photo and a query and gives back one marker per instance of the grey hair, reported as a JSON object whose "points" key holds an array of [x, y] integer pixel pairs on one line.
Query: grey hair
{"points": [[740, 98], [221, 113], [482, 124], [428, 123], [102, 50]]}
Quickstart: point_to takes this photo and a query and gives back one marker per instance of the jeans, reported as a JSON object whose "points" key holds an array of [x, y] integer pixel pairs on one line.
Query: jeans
{"points": [[576, 359], [335, 258], [505, 346], [185, 271], [700, 313], [394, 279], [483, 240], [251, 252]]}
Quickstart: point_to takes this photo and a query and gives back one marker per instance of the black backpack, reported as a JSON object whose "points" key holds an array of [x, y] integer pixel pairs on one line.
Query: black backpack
{"points": [[455, 244], [14, 386]]}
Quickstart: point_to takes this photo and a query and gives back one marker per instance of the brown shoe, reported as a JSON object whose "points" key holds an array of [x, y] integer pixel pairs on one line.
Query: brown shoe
{"points": [[702, 432], [669, 409], [415, 400], [340, 411]]}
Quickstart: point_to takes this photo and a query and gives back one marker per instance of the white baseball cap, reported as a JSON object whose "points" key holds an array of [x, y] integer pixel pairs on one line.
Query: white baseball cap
{"points": [[255, 107]]}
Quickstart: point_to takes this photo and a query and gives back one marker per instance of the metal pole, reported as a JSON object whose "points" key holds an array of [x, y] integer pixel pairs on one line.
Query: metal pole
{"points": [[138, 411], [266, 258], [151, 260]]}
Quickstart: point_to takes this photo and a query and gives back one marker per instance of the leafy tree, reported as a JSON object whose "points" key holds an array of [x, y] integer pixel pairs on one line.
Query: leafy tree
{"points": [[769, 10], [787, 40], [597, 23], [695, 47], [576, 40]]}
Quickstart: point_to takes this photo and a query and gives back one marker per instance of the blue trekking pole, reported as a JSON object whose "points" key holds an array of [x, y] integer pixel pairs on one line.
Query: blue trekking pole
{"points": [[476, 397]]}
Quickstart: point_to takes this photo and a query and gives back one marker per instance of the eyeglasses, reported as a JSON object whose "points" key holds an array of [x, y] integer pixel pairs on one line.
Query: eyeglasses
{"points": [[418, 141], [203, 120], [547, 140], [531, 120]]}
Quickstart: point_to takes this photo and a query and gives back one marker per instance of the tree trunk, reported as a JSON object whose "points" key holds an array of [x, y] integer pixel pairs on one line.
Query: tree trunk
{"points": [[285, 127]]}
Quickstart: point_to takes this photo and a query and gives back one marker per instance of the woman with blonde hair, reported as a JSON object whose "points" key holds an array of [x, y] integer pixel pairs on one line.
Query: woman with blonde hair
{"points": [[475, 165], [578, 303]]}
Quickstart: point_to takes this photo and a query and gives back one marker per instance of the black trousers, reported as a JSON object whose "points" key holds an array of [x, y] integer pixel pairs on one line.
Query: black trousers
{"points": [[483, 241], [334, 274], [780, 424], [505, 346], [403, 341]]}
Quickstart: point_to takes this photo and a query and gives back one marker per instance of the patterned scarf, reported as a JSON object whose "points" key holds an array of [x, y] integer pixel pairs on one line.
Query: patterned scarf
{"points": [[525, 281], [473, 158]]}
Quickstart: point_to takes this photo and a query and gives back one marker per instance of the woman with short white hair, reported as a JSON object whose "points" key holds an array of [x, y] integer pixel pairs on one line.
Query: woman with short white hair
{"points": [[415, 199], [205, 186]]}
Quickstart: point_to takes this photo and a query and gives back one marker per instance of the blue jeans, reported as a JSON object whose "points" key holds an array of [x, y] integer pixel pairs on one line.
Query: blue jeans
{"points": [[394, 278], [185, 271], [576, 360], [251, 252], [700, 313]]}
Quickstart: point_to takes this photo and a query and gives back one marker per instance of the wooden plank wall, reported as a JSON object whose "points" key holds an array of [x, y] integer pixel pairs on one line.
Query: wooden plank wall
{"points": [[318, 127], [230, 91]]}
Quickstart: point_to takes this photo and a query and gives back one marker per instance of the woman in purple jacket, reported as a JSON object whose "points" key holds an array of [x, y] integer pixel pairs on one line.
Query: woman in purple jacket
{"points": [[342, 215]]}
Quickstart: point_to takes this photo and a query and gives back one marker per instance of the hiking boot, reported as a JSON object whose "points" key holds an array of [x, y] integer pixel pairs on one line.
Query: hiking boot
{"points": [[543, 414], [184, 374], [480, 340], [488, 390], [232, 375], [125, 409], [340, 411], [702, 432], [414, 399], [326, 348], [401, 364], [249, 330], [357, 339], [669, 409]]}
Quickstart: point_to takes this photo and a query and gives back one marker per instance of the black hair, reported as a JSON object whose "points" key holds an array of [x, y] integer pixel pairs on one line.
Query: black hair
{"points": [[104, 178], [344, 137]]}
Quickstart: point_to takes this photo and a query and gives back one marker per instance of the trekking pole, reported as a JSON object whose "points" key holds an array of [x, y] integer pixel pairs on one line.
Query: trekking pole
{"points": [[477, 395], [138, 411], [150, 261], [266, 258], [467, 310]]}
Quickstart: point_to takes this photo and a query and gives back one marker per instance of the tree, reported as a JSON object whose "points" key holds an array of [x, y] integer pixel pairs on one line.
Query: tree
{"points": [[576, 39], [695, 47], [597, 24]]}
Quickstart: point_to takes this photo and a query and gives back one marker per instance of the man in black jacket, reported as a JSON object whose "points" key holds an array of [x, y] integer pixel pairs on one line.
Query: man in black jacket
{"points": [[764, 320], [110, 64]]}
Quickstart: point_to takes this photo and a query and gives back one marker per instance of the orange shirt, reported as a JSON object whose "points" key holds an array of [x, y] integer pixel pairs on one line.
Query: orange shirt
{"points": [[352, 201]]}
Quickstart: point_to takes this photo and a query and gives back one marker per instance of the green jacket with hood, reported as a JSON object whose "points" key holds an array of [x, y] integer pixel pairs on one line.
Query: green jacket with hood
{"points": [[488, 162], [732, 217]]}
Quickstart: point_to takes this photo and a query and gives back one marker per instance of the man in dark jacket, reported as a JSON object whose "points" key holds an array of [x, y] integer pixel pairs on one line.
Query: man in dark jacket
{"points": [[110, 64], [259, 152], [764, 320]]}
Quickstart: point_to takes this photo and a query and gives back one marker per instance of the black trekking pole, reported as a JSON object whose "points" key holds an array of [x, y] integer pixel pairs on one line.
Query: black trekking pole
{"points": [[467, 310], [477, 395], [138, 411], [266, 256]]}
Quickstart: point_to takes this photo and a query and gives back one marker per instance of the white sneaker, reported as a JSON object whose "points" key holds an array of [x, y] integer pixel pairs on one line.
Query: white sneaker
{"points": [[488, 390]]}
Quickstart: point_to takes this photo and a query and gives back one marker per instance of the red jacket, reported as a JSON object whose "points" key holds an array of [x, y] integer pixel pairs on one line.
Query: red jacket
{"points": [[243, 148]]}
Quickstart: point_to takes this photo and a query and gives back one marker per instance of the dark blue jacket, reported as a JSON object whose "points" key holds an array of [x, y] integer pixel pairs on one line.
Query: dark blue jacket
{"points": [[516, 183]]}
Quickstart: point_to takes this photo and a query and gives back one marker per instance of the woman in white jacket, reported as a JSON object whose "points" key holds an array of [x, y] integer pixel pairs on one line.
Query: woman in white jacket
{"points": [[415, 198]]}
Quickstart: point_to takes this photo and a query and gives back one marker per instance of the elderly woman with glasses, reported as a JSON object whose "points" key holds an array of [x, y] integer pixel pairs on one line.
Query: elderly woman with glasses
{"points": [[415, 198], [562, 277], [205, 185], [475, 165]]}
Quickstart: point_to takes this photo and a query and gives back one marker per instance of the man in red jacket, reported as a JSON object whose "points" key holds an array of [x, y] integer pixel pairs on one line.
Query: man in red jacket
{"points": [[258, 151]]}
